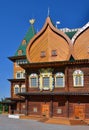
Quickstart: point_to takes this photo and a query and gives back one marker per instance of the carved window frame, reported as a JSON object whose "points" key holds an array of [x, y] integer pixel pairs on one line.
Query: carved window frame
{"points": [[78, 78]]}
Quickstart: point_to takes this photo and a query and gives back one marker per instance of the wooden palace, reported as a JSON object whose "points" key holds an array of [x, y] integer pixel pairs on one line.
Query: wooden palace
{"points": [[51, 73]]}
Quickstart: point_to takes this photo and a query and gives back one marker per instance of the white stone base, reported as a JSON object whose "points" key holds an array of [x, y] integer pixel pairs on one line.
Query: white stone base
{"points": [[15, 116]]}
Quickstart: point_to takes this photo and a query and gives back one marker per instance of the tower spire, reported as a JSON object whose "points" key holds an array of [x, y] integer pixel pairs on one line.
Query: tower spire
{"points": [[48, 11]]}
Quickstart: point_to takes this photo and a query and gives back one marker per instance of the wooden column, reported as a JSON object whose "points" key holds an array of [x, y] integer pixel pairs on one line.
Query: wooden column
{"points": [[66, 79], [9, 109], [26, 81], [67, 107], [19, 107], [51, 107], [26, 106], [3, 109]]}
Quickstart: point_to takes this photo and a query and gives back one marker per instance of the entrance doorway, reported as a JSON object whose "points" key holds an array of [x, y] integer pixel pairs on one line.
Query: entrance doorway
{"points": [[45, 110], [79, 112]]}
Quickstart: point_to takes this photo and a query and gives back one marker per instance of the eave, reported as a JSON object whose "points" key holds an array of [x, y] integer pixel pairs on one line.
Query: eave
{"points": [[14, 58], [54, 64], [16, 80], [15, 99], [52, 93]]}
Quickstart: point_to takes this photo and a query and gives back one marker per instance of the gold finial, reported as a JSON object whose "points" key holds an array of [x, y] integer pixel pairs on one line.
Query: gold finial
{"points": [[31, 21]]}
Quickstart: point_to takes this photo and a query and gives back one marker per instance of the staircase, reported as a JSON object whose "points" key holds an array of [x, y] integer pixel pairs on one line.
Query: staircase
{"points": [[44, 119], [77, 122], [62, 121]]}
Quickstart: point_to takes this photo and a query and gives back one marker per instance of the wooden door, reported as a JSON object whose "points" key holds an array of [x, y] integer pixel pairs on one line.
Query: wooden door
{"points": [[45, 110], [79, 112]]}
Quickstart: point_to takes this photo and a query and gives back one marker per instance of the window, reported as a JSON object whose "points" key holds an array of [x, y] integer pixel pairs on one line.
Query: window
{"points": [[24, 42], [35, 109], [59, 111], [20, 52], [43, 54], [23, 74], [16, 89], [33, 80], [45, 81], [78, 78], [59, 80], [20, 75], [54, 53], [23, 88]]}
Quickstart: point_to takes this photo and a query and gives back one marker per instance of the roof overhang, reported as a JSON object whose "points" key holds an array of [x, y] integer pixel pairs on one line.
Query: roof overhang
{"points": [[52, 93], [13, 58], [16, 80], [54, 64], [15, 99]]}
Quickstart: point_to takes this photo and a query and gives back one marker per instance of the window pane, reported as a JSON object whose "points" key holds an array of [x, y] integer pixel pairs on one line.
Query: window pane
{"points": [[18, 75], [23, 89], [33, 82], [59, 81], [45, 81], [78, 80], [54, 53], [16, 90]]}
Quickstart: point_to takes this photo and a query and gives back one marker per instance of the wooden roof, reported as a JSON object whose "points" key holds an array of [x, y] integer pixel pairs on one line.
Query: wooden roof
{"points": [[80, 43], [48, 39]]}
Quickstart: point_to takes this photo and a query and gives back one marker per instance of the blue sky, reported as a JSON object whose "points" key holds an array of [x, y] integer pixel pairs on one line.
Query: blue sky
{"points": [[14, 23]]}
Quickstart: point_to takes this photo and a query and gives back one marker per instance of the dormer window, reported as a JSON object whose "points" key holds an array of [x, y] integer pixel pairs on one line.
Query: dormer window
{"points": [[24, 42], [43, 54], [54, 53], [88, 50], [19, 52]]}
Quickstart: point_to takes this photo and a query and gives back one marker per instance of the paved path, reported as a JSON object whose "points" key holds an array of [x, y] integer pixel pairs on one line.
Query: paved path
{"points": [[17, 124]]}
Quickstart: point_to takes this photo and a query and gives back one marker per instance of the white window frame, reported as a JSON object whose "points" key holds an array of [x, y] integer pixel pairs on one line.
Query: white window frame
{"points": [[78, 73], [59, 75], [21, 73], [34, 75], [43, 75]]}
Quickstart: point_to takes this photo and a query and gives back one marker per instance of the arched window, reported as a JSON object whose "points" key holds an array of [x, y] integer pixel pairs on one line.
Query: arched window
{"points": [[78, 78], [23, 88], [16, 89], [59, 80], [33, 80]]}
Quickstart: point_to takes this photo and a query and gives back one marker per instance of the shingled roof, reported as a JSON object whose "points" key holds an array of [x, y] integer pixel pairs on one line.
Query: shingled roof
{"points": [[70, 34], [22, 48]]}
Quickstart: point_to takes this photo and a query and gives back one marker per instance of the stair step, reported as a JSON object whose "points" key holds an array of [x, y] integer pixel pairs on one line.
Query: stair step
{"points": [[77, 122], [58, 121]]}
